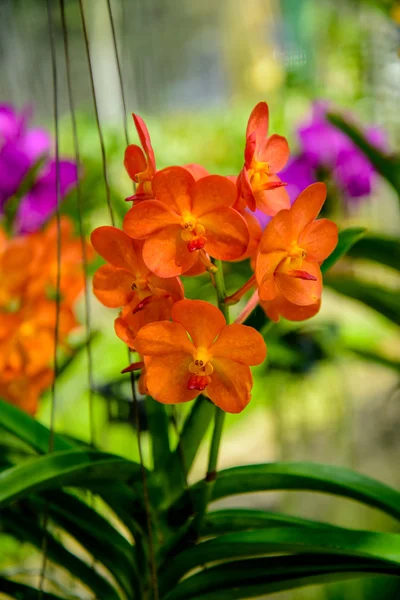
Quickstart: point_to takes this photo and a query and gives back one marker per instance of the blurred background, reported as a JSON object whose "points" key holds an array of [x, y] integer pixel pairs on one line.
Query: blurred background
{"points": [[194, 70]]}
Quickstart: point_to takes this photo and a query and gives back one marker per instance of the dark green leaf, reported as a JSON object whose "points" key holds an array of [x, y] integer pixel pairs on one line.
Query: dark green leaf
{"points": [[69, 467], [238, 575], [347, 239], [193, 431], [381, 299], [25, 529], [383, 547], [294, 476], [242, 519], [20, 591], [379, 248]]}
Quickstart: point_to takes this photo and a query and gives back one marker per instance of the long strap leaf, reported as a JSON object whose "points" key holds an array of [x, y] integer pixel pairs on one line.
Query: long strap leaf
{"points": [[383, 547], [250, 574], [294, 476]]}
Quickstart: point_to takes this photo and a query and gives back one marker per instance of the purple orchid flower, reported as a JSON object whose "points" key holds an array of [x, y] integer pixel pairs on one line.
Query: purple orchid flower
{"points": [[324, 146], [20, 150]]}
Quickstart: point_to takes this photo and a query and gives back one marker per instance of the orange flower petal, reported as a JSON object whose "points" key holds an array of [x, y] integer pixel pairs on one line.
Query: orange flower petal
{"points": [[134, 161], [163, 337], [272, 201], [319, 239], [117, 248], [250, 149], [265, 268], [148, 217], [307, 206], [167, 378], [276, 152], [255, 233], [245, 190], [113, 287], [230, 386], [226, 232], [280, 306], [258, 121], [129, 323], [240, 343], [278, 233], [198, 171], [301, 291], [166, 253], [211, 193], [145, 140], [171, 285], [173, 187], [202, 320], [124, 332]]}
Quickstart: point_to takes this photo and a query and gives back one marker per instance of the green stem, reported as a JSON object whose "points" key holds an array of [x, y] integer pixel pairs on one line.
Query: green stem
{"points": [[208, 484], [221, 290], [214, 448]]}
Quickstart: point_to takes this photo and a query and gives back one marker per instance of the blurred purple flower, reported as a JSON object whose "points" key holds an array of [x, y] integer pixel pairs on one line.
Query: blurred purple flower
{"points": [[41, 200], [324, 146], [20, 150]]}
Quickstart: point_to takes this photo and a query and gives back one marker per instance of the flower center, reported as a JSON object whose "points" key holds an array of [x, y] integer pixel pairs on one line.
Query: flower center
{"points": [[139, 284], [201, 370], [193, 234], [259, 175]]}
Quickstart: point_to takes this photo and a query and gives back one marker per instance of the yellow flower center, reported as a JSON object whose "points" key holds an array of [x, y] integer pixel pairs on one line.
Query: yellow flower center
{"points": [[140, 284], [192, 233], [259, 174], [200, 370]]}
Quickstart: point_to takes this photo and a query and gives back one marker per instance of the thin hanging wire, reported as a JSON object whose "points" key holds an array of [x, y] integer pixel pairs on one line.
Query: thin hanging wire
{"points": [[96, 110], [88, 325], [121, 83], [132, 378], [58, 278]]}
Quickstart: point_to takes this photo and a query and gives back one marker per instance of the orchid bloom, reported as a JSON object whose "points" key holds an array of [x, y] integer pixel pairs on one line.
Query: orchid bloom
{"points": [[187, 219], [141, 164], [126, 279], [258, 184], [292, 247], [199, 353]]}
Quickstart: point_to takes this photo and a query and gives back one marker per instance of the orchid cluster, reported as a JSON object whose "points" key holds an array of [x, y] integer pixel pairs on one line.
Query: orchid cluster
{"points": [[185, 222], [29, 274], [326, 150], [28, 262], [25, 155]]}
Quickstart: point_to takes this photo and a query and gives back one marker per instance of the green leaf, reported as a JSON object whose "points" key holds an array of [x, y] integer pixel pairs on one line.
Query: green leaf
{"points": [[257, 575], [383, 547], [293, 476], [374, 356], [192, 433], [347, 239], [24, 529], [242, 519], [382, 249], [93, 532], [387, 165], [157, 418], [69, 467], [29, 430], [381, 299], [119, 497], [20, 591]]}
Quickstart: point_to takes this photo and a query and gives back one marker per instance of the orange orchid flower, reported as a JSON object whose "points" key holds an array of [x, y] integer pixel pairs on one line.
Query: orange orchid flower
{"points": [[281, 307], [126, 279], [258, 184], [141, 164], [292, 247], [137, 314], [214, 360], [24, 391], [187, 216]]}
